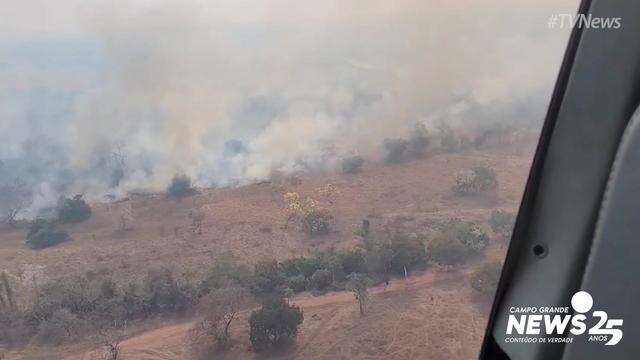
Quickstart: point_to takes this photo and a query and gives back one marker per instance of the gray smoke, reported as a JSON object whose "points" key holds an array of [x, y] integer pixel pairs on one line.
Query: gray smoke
{"points": [[98, 97]]}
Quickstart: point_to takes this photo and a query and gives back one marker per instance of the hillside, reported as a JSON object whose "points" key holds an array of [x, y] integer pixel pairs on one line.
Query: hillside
{"points": [[249, 221], [433, 314]]}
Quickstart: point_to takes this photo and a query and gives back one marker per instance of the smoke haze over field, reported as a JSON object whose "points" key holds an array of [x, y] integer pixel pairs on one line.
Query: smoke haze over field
{"points": [[110, 96]]}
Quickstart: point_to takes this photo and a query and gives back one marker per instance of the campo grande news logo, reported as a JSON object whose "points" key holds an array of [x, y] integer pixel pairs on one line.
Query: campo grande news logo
{"points": [[557, 320]]}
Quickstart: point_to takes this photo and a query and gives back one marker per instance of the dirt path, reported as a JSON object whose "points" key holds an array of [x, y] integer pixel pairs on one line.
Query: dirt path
{"points": [[154, 344]]}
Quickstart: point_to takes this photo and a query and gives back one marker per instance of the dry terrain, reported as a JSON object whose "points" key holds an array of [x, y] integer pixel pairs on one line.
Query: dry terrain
{"points": [[431, 315]]}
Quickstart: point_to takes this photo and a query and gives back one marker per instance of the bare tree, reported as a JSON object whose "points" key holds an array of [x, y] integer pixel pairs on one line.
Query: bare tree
{"points": [[14, 198], [126, 218], [358, 284], [219, 309], [110, 340], [197, 218]]}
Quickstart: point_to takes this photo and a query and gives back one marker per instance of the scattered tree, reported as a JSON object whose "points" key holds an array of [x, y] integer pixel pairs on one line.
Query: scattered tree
{"points": [[352, 164], [321, 279], [358, 284], [469, 234], [73, 210], [219, 309], [275, 323], [14, 198], [180, 186], [502, 223], [447, 251], [474, 181], [42, 234], [395, 150], [486, 277], [418, 141], [312, 219]]}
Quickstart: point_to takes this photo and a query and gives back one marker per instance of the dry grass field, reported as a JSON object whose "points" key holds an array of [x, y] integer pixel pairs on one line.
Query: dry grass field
{"points": [[431, 315]]}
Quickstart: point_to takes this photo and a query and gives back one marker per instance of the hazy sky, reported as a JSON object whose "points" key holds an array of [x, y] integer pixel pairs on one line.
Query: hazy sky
{"points": [[171, 82]]}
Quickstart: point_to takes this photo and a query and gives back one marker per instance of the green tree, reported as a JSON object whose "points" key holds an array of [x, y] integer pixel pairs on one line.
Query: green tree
{"points": [[274, 323]]}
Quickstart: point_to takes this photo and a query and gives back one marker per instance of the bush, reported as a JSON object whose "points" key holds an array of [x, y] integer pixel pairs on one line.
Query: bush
{"points": [[180, 186], [486, 277], [447, 251], [474, 181], [469, 234], [395, 150], [275, 323], [321, 280], [297, 283], [43, 234], [502, 223], [352, 164], [73, 210]]}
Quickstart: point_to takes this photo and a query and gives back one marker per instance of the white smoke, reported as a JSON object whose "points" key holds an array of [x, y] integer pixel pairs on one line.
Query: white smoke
{"points": [[169, 83]]}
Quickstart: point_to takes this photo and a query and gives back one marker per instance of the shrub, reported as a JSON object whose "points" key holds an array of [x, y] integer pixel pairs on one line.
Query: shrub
{"points": [[486, 277], [73, 210], [321, 279], [395, 150], [447, 251], [502, 223], [297, 283], [43, 234], [352, 164], [273, 324], [180, 186], [474, 181], [470, 234]]}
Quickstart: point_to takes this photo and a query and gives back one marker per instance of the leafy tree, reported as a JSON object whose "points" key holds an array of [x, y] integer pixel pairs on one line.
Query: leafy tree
{"points": [[502, 223], [297, 283], [42, 234], [180, 186], [418, 141], [225, 272], [73, 210], [353, 261], [447, 251], [352, 164], [395, 150], [358, 284], [165, 293], [474, 181], [321, 279], [470, 234], [274, 323], [268, 279], [406, 254]]}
